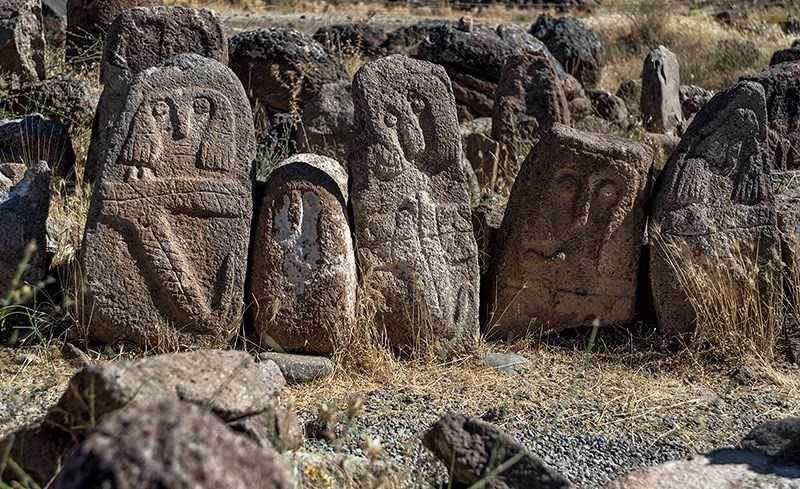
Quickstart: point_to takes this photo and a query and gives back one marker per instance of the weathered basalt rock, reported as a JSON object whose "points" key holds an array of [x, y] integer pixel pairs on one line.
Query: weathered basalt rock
{"points": [[165, 249], [141, 38], [303, 272], [22, 40], [410, 206], [327, 124], [713, 217], [362, 39], [281, 69], [567, 253], [631, 92], [778, 438], [574, 45], [661, 83], [785, 56], [64, 98], [607, 106], [32, 139], [693, 98]]}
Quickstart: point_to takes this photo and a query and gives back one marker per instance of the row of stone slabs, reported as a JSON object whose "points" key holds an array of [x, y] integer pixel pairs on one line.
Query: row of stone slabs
{"points": [[164, 258]]}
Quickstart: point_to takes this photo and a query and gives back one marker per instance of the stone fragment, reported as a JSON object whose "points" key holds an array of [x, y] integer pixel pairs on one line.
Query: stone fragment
{"points": [[411, 209], [303, 273], [170, 445], [24, 206], [506, 362], [567, 253], [21, 40], [781, 84], [777, 438], [631, 92], [719, 469], [483, 155], [64, 98], [88, 22], [140, 38], [528, 99], [693, 98], [574, 45], [165, 250], [298, 369], [327, 124], [32, 139], [281, 68], [713, 223], [354, 39], [472, 449], [607, 106], [661, 82]]}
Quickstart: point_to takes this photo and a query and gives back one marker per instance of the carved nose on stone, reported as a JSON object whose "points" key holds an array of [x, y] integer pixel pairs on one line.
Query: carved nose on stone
{"points": [[412, 138], [582, 214], [182, 122]]}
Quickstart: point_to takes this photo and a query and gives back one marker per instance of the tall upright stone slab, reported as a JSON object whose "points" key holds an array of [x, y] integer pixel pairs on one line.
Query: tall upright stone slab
{"points": [[567, 253], [714, 211], [138, 39], [661, 86], [303, 273], [24, 205], [165, 248], [410, 204], [22, 40]]}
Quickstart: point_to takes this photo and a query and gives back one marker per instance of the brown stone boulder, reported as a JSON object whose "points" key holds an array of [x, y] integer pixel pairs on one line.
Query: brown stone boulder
{"points": [[713, 222], [777, 438], [141, 38], [32, 139], [607, 106], [661, 82], [21, 40], [573, 44], [529, 98], [303, 272], [781, 84], [327, 124], [411, 209], [170, 445], [473, 450], [567, 253], [630, 91], [281, 68], [88, 22], [64, 98], [483, 154], [693, 98], [165, 250]]}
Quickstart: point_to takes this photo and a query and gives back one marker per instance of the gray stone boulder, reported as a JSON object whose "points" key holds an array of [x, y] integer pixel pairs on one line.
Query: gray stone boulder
{"points": [[170, 445], [164, 254], [33, 139], [661, 83], [327, 124], [411, 209], [22, 40], [473, 450], [282, 68], [67, 99], [631, 92], [778, 438], [607, 106], [567, 253], [303, 271], [574, 45], [693, 98], [718, 469], [298, 369], [714, 210], [128, 51]]}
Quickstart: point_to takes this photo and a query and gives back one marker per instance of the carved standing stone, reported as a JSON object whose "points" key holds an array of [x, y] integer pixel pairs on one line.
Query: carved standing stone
{"points": [[303, 275], [22, 40], [567, 252], [141, 38], [661, 85], [166, 241], [714, 210], [410, 204]]}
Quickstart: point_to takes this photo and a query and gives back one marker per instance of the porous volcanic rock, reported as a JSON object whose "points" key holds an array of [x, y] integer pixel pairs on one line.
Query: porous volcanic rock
{"points": [[574, 45], [22, 40]]}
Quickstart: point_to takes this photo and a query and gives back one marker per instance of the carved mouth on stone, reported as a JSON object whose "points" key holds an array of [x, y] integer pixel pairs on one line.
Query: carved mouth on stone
{"points": [[135, 173]]}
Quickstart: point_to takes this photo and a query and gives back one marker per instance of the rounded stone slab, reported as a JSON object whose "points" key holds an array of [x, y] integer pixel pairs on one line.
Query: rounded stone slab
{"points": [[299, 369], [303, 274], [661, 84], [567, 252], [714, 210], [506, 362], [165, 249], [410, 204]]}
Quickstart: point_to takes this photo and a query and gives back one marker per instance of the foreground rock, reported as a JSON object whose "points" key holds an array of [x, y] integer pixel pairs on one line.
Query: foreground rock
{"points": [[574, 45], [473, 450], [779, 438], [714, 211], [715, 470], [24, 205], [281, 69], [165, 250], [303, 272], [567, 253], [21, 40], [327, 124], [129, 50], [170, 445], [410, 205], [661, 83], [781, 87]]}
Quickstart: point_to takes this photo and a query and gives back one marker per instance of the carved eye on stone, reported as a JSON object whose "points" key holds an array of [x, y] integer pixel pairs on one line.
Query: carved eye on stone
{"points": [[390, 120], [608, 191], [202, 105], [567, 184], [417, 105], [160, 108]]}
